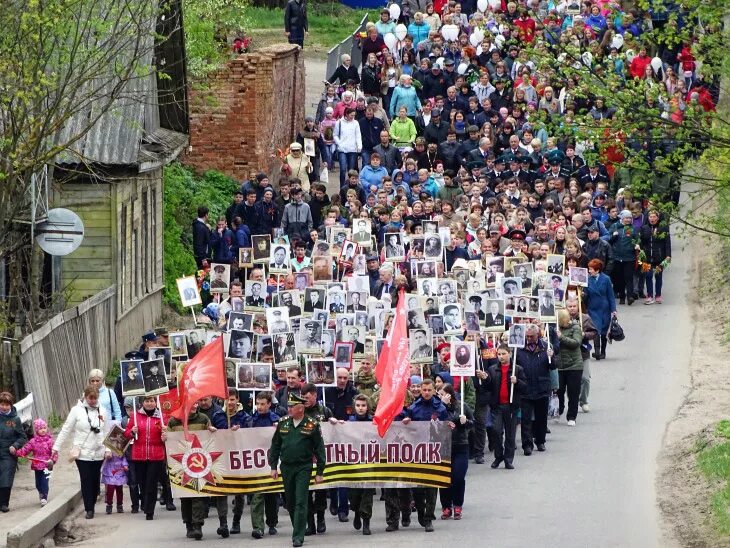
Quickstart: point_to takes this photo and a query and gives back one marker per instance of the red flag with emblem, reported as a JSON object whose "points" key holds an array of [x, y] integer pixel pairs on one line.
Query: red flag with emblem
{"points": [[169, 404], [205, 375], [393, 370]]}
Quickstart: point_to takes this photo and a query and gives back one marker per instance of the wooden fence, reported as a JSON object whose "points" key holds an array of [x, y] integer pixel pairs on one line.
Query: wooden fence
{"points": [[57, 358]]}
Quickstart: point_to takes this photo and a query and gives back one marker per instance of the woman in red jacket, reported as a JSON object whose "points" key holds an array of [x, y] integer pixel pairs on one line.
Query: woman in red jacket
{"points": [[148, 451]]}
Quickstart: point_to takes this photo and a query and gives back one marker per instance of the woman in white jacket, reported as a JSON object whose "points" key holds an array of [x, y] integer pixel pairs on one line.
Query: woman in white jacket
{"points": [[85, 426], [349, 143], [107, 398]]}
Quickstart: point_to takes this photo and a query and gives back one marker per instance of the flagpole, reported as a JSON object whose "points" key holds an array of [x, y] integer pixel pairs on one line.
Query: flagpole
{"points": [[195, 320], [134, 412], [162, 416], [514, 366], [550, 346], [462, 394]]}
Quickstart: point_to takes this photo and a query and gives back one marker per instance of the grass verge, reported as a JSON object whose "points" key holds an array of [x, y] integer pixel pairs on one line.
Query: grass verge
{"points": [[329, 24], [713, 461]]}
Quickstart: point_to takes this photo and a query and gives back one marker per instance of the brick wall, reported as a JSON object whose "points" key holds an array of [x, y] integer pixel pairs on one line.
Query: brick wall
{"points": [[252, 106]]}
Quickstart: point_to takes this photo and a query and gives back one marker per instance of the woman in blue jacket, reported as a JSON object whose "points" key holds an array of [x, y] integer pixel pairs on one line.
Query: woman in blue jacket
{"points": [[601, 304], [404, 95]]}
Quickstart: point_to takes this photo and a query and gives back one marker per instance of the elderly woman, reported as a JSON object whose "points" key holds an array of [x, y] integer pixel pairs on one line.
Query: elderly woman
{"points": [[12, 439], [108, 401], [85, 426], [346, 71], [601, 304], [404, 95], [300, 165]]}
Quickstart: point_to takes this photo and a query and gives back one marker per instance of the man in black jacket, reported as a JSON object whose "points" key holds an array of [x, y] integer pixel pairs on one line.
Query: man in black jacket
{"points": [[370, 129], [449, 151], [201, 237], [296, 24], [390, 157], [437, 129], [537, 360], [504, 409]]}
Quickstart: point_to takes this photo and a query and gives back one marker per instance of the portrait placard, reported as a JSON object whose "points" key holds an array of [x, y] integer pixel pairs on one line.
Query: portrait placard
{"points": [[261, 248], [188, 289], [131, 377], [463, 362]]}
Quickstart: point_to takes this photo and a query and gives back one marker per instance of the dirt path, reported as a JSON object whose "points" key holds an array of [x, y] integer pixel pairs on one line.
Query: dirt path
{"points": [[682, 492]]}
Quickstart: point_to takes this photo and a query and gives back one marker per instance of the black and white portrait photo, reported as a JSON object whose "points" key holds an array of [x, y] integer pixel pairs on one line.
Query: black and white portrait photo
{"points": [[416, 318], [131, 376], [452, 318], [511, 287], [547, 306], [447, 291], [428, 287], [161, 352], [494, 318], [261, 248], [494, 269], [359, 283], [578, 276], [220, 275], [432, 248], [559, 284], [277, 320], [240, 345], [394, 248], [255, 295], [463, 360], [430, 227], [356, 301], [343, 354], [285, 352], [417, 245], [362, 232], [471, 321], [240, 321], [245, 257], [523, 271], [336, 302], [322, 268], [310, 337], [279, 259], [360, 265], [349, 250], [426, 269], [178, 345], [436, 324], [314, 297], [328, 342], [516, 337], [292, 300], [420, 346], [188, 289], [153, 378]]}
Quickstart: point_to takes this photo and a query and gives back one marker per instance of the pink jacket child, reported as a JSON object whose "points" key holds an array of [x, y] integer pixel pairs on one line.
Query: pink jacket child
{"points": [[41, 447]]}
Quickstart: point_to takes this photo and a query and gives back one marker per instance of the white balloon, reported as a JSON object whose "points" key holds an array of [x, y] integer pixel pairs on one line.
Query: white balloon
{"points": [[499, 40], [479, 33], [474, 39], [461, 69], [394, 10], [391, 41], [494, 4], [440, 62], [450, 32], [656, 64], [630, 55], [617, 42], [401, 31], [587, 58], [479, 49], [482, 5]]}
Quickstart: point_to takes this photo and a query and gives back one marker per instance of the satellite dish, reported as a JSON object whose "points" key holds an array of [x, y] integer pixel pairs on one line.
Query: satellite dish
{"points": [[61, 234]]}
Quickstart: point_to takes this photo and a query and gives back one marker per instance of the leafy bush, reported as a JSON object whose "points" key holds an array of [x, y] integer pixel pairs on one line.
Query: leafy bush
{"points": [[184, 191]]}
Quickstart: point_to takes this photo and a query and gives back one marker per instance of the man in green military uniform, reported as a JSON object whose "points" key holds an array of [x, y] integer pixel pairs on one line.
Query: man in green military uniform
{"points": [[193, 508], [319, 412], [296, 440]]}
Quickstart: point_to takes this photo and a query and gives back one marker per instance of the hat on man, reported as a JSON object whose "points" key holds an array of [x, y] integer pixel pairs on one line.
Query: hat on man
{"points": [[448, 62], [311, 323], [592, 228], [517, 234], [219, 268], [295, 146], [372, 258], [475, 164], [161, 331], [294, 399], [150, 336]]}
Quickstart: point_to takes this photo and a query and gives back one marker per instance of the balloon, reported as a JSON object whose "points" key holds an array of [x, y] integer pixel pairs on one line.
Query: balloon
{"points": [[391, 41], [617, 42], [401, 31], [479, 49], [494, 4], [499, 40], [656, 64], [630, 55], [482, 5], [479, 33], [450, 32], [587, 58], [440, 62], [394, 10], [474, 39], [461, 69]]}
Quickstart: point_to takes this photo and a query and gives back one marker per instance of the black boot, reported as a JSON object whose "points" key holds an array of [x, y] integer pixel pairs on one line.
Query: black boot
{"points": [[405, 519], [223, 529], [189, 529], [356, 521], [236, 525], [311, 530], [197, 532], [366, 526], [321, 526]]}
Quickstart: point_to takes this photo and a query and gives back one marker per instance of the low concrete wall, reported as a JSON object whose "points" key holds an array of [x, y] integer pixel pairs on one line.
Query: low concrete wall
{"points": [[31, 531]]}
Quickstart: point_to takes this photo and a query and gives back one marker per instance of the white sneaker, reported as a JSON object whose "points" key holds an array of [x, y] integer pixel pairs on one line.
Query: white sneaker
{"points": [[585, 408], [44, 502], [649, 300], [571, 423]]}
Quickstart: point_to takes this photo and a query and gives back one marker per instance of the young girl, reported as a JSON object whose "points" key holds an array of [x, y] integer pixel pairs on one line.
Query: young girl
{"points": [[41, 446], [114, 476]]}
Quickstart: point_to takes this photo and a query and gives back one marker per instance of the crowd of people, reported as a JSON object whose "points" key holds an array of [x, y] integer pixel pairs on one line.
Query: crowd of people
{"points": [[463, 181]]}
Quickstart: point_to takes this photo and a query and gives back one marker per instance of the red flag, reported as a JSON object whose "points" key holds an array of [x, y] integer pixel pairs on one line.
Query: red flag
{"points": [[395, 369], [170, 403], [205, 375]]}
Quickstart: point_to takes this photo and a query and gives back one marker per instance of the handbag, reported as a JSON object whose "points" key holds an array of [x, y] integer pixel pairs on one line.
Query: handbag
{"points": [[553, 407], [615, 331]]}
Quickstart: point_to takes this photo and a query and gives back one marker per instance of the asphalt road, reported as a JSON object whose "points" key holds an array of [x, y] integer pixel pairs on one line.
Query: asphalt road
{"points": [[595, 485]]}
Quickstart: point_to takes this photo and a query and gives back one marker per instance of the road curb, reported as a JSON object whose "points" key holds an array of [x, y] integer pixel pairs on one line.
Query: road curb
{"points": [[32, 530]]}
